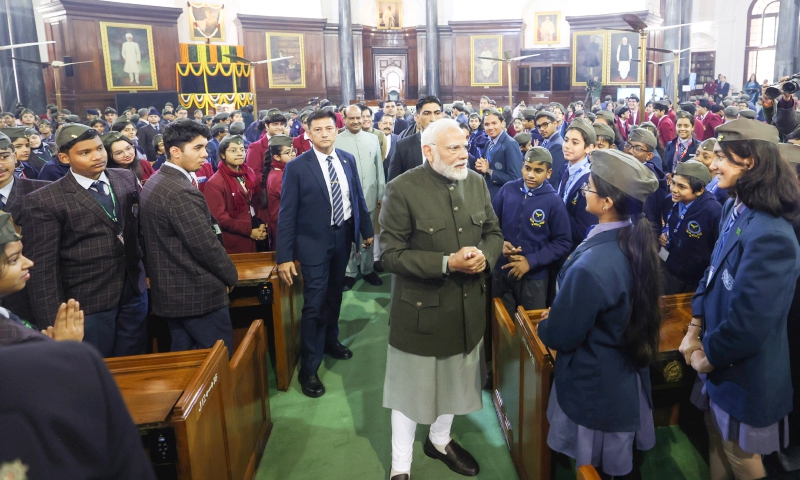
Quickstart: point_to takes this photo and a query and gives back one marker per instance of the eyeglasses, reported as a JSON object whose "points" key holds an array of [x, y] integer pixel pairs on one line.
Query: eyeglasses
{"points": [[636, 148], [290, 153], [585, 188], [543, 125], [454, 149]]}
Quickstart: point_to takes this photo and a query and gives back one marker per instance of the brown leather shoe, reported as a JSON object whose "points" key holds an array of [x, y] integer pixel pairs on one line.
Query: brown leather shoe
{"points": [[457, 459], [400, 476]]}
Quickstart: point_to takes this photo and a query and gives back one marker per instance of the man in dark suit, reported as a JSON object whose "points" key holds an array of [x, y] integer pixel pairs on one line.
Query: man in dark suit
{"points": [[409, 150], [190, 272], [390, 108], [82, 234], [503, 161], [63, 416], [386, 125], [148, 132], [723, 88], [553, 141], [322, 211], [12, 190]]}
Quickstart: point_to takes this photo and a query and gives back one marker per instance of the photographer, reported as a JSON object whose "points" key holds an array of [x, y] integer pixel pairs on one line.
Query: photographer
{"points": [[593, 88], [781, 110]]}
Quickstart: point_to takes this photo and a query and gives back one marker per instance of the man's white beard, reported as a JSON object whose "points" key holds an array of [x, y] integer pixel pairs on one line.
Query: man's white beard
{"points": [[448, 171]]}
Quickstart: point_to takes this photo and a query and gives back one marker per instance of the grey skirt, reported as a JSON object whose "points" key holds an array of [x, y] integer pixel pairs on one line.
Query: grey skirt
{"points": [[422, 388]]}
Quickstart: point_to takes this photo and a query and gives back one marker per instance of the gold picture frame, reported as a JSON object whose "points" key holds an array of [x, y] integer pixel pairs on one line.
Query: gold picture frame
{"points": [[389, 14], [551, 33], [289, 73], [589, 56], [206, 22], [486, 73], [130, 63]]}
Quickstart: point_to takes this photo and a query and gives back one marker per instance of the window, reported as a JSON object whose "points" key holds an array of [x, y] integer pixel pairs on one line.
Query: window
{"points": [[761, 39]]}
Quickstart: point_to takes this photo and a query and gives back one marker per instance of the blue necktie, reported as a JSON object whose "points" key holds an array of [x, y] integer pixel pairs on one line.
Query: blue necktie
{"points": [[336, 194], [100, 187]]}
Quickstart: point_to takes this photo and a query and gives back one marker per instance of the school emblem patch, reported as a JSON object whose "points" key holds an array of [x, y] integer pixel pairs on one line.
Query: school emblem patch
{"points": [[498, 166], [693, 229], [537, 219], [727, 279]]}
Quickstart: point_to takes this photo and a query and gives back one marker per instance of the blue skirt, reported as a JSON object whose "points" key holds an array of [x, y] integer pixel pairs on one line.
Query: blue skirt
{"points": [[610, 451], [760, 440]]}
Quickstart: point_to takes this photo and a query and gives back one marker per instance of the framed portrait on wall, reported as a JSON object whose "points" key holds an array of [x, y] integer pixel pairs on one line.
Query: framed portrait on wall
{"points": [[206, 22], [389, 15], [623, 49], [128, 56], [291, 72], [588, 56], [486, 72], [548, 31]]}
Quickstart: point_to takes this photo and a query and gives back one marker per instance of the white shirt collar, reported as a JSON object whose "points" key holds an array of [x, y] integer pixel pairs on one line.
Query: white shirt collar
{"points": [[6, 191], [180, 169], [321, 157], [86, 182], [577, 166]]}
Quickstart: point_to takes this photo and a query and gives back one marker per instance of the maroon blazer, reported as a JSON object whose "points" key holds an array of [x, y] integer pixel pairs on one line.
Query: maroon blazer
{"points": [[710, 124], [235, 229]]}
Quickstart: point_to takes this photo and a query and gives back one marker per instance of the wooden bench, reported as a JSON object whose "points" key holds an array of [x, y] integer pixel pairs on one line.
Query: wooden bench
{"points": [[200, 417], [257, 272], [523, 373]]}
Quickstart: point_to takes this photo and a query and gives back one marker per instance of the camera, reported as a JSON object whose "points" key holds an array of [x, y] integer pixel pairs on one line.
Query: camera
{"points": [[790, 86]]}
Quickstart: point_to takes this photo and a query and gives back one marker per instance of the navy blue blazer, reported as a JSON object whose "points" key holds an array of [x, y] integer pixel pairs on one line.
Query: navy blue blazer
{"points": [[505, 160], [595, 376], [654, 204], [744, 298], [304, 220], [691, 246], [669, 153], [579, 219], [555, 145]]}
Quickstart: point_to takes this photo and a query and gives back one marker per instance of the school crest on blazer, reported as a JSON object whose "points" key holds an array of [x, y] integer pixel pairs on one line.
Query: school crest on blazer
{"points": [[538, 217], [693, 229]]}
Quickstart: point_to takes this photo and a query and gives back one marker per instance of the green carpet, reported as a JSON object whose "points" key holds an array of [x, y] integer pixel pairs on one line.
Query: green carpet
{"points": [[346, 434]]}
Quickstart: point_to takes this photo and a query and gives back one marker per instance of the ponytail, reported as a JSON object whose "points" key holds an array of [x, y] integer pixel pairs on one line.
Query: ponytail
{"points": [[638, 244], [273, 150]]}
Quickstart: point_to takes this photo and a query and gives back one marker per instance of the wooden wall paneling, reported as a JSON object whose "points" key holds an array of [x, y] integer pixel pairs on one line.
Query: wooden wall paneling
{"points": [[333, 78], [446, 64], [252, 36], [403, 42], [358, 64], [75, 27], [422, 88]]}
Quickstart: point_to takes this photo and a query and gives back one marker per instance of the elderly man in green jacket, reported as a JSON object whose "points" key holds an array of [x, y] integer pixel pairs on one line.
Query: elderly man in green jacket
{"points": [[440, 239]]}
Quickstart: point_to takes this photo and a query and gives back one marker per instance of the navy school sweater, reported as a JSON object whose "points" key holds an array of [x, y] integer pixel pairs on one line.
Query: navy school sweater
{"points": [[537, 221], [655, 202], [691, 246]]}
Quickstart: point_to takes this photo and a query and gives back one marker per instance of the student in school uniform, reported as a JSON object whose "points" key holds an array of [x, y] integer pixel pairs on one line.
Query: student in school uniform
{"points": [[40, 151], [22, 150], [605, 136], [683, 146], [272, 125], [579, 142], [503, 158], [82, 233], [281, 152], [604, 325], [536, 233], [641, 145], [737, 340], [553, 141], [161, 151], [658, 152], [218, 132], [705, 155], [122, 154], [231, 195], [12, 191], [691, 228], [622, 114], [190, 272], [664, 124], [523, 139]]}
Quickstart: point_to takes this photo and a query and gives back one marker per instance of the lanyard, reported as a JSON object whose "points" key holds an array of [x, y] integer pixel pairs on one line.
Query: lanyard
{"points": [[677, 227], [572, 179], [113, 216]]}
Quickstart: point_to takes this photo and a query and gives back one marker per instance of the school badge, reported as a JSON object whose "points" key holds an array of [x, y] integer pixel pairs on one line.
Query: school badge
{"points": [[727, 279], [498, 166], [15, 470], [537, 219], [693, 229]]}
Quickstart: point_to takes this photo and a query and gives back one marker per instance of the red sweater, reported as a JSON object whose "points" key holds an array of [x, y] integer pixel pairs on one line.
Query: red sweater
{"points": [[256, 153], [236, 229], [274, 185]]}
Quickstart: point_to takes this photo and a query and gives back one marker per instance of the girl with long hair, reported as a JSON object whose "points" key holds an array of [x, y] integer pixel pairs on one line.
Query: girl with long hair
{"points": [[477, 137], [737, 340], [279, 154], [122, 154], [604, 323], [230, 193]]}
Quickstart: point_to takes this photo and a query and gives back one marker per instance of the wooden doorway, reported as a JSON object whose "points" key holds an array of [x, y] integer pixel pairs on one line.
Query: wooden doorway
{"points": [[390, 76]]}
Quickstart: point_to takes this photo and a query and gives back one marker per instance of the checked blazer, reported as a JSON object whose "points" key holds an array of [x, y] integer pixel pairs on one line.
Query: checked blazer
{"points": [[75, 246], [188, 267]]}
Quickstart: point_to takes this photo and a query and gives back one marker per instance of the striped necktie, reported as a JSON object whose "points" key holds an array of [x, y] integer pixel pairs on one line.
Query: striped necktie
{"points": [[336, 194]]}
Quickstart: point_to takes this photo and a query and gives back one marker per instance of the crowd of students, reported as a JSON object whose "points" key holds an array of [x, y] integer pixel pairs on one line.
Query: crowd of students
{"points": [[602, 211]]}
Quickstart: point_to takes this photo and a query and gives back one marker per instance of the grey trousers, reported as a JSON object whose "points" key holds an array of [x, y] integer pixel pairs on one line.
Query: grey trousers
{"points": [[530, 293], [364, 257]]}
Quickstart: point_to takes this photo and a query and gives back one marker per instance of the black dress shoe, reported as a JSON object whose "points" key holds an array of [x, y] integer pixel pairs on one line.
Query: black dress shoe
{"points": [[349, 282], [373, 279], [457, 459], [311, 385], [400, 476], [378, 267], [339, 352]]}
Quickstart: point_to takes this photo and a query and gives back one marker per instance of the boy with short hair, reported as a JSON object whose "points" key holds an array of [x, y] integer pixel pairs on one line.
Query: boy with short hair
{"points": [[605, 136], [642, 145], [536, 233], [691, 228], [524, 141], [580, 140]]}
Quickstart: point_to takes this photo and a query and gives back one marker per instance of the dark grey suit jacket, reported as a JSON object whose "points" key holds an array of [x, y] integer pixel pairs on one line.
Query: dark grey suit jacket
{"points": [[407, 155], [188, 267], [75, 246]]}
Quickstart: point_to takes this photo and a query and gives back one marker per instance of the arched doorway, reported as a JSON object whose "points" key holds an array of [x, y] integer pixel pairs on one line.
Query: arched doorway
{"points": [[390, 77]]}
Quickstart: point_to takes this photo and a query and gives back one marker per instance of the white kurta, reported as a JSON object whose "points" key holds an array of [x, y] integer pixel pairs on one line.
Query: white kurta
{"points": [[133, 56], [486, 65]]}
